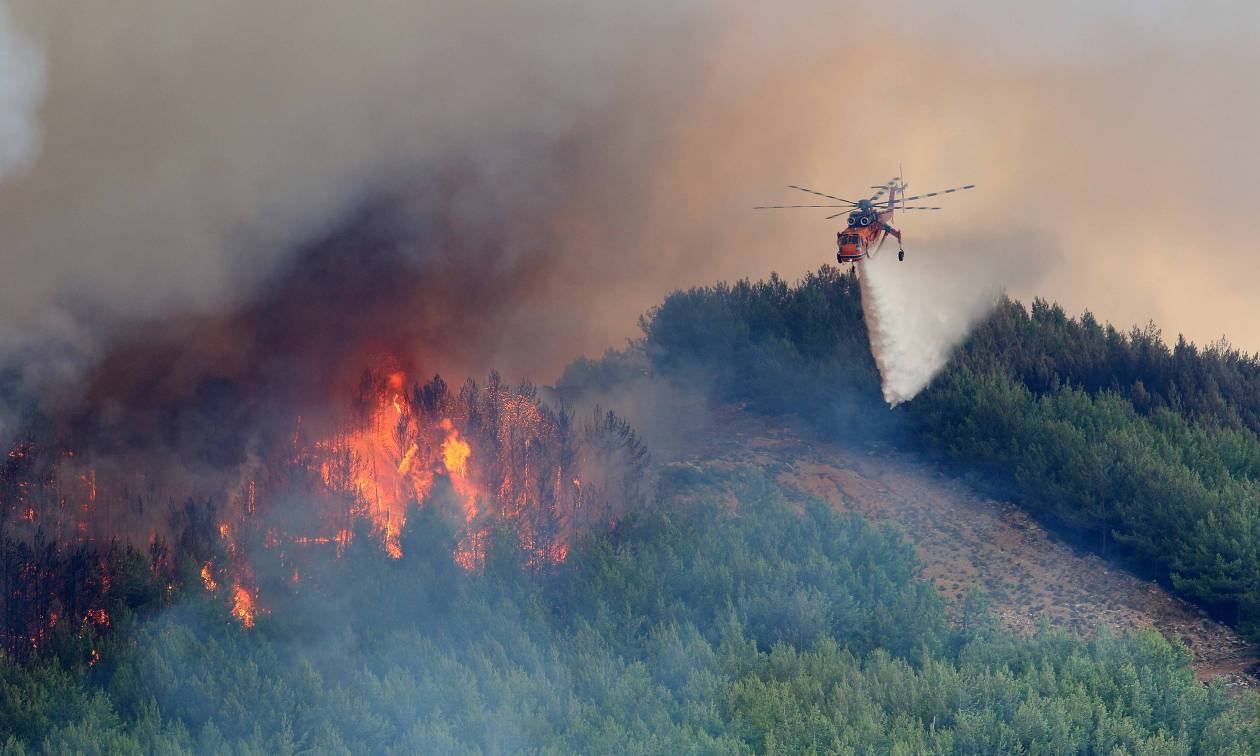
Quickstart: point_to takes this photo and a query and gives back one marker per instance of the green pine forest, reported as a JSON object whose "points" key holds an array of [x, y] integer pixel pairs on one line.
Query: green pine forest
{"points": [[694, 626], [1143, 451], [726, 614]]}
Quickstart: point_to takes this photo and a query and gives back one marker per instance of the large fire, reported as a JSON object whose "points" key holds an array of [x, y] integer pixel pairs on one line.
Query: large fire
{"points": [[503, 457], [386, 456]]}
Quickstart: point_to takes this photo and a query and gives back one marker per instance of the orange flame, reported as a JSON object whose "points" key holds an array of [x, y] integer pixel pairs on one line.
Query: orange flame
{"points": [[455, 451], [388, 454], [243, 605], [207, 579], [455, 454]]}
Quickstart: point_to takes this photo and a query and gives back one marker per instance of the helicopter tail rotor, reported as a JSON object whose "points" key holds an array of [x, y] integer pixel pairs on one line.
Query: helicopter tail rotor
{"points": [[892, 183]]}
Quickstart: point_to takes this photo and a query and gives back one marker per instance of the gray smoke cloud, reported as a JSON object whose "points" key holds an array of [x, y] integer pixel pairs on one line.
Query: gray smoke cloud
{"points": [[22, 74], [189, 147], [21, 90]]}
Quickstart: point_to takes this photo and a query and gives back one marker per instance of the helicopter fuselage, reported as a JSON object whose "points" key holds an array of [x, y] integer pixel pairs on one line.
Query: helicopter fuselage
{"points": [[866, 228]]}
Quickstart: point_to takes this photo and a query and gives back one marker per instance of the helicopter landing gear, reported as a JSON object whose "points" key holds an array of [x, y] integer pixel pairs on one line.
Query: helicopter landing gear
{"points": [[901, 255]]}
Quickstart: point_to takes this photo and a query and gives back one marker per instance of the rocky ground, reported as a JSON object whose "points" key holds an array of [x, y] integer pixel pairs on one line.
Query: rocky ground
{"points": [[965, 539]]}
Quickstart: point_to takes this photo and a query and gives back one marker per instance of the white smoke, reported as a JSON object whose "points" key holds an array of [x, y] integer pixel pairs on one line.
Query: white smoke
{"points": [[21, 92], [919, 310]]}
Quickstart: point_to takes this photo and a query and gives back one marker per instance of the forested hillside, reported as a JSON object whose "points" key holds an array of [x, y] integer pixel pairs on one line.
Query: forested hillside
{"points": [[723, 613], [1134, 447], [774, 626]]}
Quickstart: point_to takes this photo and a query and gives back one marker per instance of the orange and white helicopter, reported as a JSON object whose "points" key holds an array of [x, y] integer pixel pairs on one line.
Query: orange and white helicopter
{"points": [[869, 219]]}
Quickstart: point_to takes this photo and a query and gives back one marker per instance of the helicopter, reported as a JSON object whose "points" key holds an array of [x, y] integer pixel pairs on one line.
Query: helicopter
{"points": [[869, 220]]}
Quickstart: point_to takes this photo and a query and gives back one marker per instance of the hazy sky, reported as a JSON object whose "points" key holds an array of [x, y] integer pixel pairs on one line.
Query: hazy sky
{"points": [[184, 146]]}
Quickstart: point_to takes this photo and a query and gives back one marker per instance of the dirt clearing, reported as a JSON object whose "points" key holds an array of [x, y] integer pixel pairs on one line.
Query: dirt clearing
{"points": [[966, 539]]}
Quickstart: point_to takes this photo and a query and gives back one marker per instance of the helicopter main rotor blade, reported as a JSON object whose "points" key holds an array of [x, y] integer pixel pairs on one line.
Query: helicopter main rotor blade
{"points": [[786, 207], [820, 194], [897, 209], [943, 191]]}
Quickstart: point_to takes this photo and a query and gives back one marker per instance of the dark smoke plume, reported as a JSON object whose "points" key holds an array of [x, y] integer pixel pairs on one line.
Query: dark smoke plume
{"points": [[400, 279]]}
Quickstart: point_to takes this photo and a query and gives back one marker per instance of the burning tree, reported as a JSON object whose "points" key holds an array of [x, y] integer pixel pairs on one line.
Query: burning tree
{"points": [[508, 456], [496, 456]]}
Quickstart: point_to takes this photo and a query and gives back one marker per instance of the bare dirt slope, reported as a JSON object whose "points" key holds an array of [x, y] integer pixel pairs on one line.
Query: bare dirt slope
{"points": [[966, 539]]}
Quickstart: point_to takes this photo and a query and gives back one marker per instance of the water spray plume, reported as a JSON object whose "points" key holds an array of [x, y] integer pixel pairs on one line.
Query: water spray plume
{"points": [[917, 312]]}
